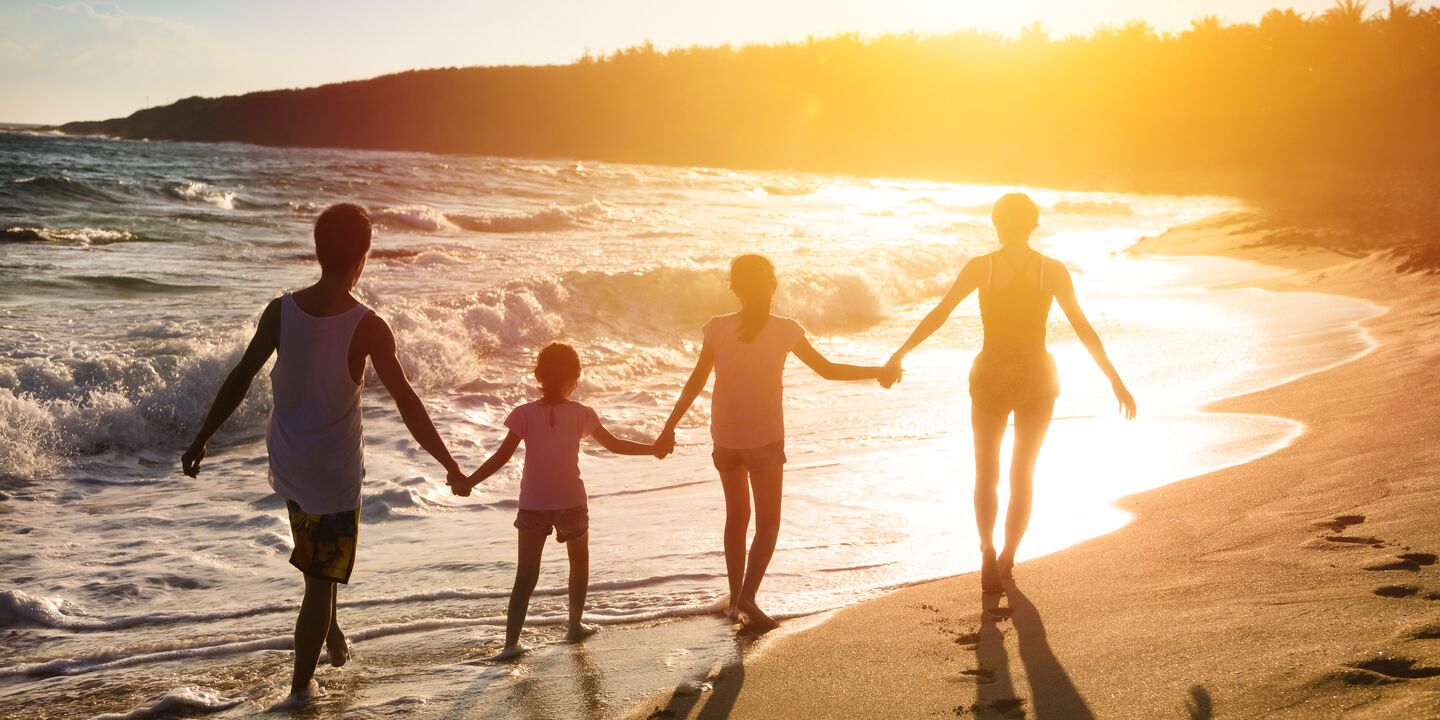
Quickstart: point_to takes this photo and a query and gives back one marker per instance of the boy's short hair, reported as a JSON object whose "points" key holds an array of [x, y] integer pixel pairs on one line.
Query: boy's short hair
{"points": [[1015, 210], [557, 365], [342, 237]]}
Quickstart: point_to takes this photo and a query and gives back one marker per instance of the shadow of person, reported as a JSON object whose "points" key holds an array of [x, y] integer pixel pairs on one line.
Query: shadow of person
{"points": [[994, 688], [1053, 695], [591, 680], [720, 700]]}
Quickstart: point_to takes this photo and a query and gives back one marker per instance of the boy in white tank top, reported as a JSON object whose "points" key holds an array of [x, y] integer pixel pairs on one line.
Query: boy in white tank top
{"points": [[315, 436]]}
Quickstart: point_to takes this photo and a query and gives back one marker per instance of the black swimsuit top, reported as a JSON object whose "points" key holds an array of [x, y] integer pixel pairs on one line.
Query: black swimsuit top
{"points": [[1015, 315]]}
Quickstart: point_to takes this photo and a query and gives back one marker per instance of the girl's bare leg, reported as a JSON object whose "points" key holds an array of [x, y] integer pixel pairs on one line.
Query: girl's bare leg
{"points": [[737, 523], [578, 550], [527, 573], [989, 431], [1030, 428], [767, 485]]}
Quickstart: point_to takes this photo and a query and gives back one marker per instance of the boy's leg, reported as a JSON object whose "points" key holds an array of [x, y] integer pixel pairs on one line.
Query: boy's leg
{"points": [[736, 484], [767, 484], [989, 431], [527, 573], [1030, 428], [311, 627], [578, 550]]}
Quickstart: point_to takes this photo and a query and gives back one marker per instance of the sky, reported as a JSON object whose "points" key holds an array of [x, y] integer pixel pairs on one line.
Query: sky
{"points": [[90, 60]]}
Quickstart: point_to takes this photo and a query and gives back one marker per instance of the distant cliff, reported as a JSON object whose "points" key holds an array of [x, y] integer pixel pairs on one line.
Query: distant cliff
{"points": [[1299, 106]]}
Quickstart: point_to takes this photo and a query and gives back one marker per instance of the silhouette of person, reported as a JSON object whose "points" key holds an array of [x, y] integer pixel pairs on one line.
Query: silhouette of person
{"points": [[1013, 373], [747, 351]]}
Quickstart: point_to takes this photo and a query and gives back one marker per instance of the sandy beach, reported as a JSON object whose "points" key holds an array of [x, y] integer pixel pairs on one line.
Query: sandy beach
{"points": [[1302, 584]]}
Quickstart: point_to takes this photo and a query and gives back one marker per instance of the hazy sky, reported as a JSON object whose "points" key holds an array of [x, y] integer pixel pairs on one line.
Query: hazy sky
{"points": [[64, 61]]}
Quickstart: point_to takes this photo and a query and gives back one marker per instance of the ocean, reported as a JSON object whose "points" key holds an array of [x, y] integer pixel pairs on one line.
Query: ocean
{"points": [[132, 274]]}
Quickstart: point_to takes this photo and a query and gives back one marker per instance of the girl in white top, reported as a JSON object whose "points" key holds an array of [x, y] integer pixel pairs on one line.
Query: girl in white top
{"points": [[747, 351], [552, 495]]}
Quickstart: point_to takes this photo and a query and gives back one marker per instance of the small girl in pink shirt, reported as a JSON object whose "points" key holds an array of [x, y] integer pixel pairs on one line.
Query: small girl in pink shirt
{"points": [[552, 495]]}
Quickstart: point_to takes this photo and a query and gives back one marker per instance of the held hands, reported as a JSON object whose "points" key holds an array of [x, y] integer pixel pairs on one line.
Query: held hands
{"points": [[890, 373], [664, 444], [190, 461], [1126, 400], [460, 483]]}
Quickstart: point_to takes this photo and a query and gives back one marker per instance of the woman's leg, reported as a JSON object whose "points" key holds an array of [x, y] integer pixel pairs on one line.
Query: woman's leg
{"points": [[989, 431], [527, 573], [578, 550], [1030, 427], [737, 523], [767, 484]]}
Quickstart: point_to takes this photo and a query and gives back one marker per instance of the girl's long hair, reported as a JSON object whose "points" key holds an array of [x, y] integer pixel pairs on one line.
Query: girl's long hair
{"points": [[752, 279]]}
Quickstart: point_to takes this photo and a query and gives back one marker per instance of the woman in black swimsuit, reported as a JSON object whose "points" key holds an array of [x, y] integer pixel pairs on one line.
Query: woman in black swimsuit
{"points": [[1013, 372]]}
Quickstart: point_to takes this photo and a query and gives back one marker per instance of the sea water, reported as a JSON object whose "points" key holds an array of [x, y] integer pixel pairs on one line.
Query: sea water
{"points": [[132, 275]]}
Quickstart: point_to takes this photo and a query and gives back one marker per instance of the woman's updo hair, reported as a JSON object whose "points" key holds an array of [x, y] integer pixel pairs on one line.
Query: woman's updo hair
{"points": [[557, 366], [752, 279]]}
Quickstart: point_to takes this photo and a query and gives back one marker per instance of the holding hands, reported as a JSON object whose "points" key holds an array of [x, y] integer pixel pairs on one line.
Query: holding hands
{"points": [[891, 372]]}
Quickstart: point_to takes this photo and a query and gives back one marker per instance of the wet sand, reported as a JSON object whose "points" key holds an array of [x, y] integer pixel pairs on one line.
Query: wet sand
{"points": [[1303, 584]]}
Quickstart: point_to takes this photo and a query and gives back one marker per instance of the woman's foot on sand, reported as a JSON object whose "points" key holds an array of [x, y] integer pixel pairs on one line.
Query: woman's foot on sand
{"points": [[1005, 565], [756, 621], [579, 632], [339, 649], [510, 653], [989, 572]]}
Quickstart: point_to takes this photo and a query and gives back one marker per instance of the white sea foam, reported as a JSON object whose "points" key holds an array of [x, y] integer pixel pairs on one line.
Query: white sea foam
{"points": [[182, 701], [193, 191], [76, 236]]}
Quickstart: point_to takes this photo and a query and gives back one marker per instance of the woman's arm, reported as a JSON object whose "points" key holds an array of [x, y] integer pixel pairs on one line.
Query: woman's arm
{"points": [[699, 377], [491, 465], [625, 447], [237, 384], [1065, 296], [833, 370], [967, 282]]}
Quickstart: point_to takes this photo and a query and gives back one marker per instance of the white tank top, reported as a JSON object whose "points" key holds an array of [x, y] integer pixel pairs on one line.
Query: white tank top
{"points": [[315, 436]]}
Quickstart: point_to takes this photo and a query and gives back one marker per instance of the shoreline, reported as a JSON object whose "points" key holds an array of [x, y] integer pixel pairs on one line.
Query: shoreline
{"points": [[944, 654]]}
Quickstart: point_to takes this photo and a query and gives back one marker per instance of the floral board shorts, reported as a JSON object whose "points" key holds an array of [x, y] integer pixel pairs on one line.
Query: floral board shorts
{"points": [[324, 544], [568, 524], [727, 459]]}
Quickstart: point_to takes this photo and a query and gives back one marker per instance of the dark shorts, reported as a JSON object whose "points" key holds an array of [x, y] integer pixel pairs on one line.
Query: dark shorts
{"points": [[727, 459], [568, 524], [1006, 383], [324, 544]]}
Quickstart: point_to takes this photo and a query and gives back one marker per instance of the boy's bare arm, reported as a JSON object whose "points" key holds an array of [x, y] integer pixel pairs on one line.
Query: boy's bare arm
{"points": [[237, 384], [625, 447], [380, 342]]}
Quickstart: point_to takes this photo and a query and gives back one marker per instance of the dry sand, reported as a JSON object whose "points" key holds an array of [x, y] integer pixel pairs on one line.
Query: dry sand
{"points": [[1303, 584]]}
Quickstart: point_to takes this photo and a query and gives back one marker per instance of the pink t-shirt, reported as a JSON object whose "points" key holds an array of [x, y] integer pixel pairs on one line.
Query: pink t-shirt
{"points": [[746, 409], [552, 435]]}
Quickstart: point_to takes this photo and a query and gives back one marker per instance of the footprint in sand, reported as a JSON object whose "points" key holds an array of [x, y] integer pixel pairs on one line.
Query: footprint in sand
{"points": [[980, 675], [1006, 707], [1339, 522], [1396, 564], [1396, 668], [1427, 633], [1397, 591], [969, 638]]}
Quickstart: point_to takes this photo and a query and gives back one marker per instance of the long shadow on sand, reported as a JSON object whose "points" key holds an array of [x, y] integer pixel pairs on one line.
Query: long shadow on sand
{"points": [[719, 702], [1053, 694]]}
